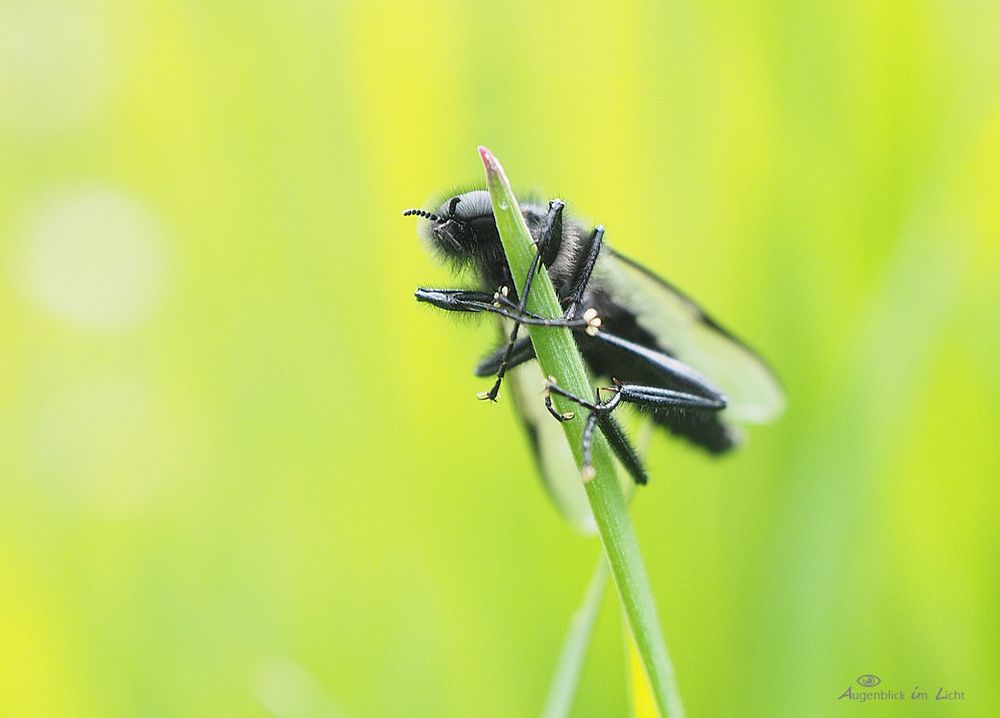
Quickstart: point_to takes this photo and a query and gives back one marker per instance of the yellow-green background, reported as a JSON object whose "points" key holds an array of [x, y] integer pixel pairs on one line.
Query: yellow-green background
{"points": [[243, 473]]}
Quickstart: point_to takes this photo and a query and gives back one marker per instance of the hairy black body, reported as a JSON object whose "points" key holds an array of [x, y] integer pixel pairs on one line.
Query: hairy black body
{"points": [[464, 233], [662, 352]]}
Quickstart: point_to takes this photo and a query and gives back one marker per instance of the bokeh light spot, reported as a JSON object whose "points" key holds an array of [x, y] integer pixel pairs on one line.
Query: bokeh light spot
{"points": [[97, 258], [56, 68]]}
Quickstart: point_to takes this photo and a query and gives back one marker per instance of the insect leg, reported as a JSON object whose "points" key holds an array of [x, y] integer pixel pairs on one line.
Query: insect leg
{"points": [[659, 397], [596, 409], [711, 431], [455, 300], [523, 352], [622, 447], [550, 235], [467, 300], [582, 277], [595, 406], [559, 416], [617, 439], [615, 435], [650, 397]]}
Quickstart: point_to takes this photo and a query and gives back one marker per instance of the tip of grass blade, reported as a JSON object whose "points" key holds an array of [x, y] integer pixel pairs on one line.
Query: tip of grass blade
{"points": [[493, 168]]}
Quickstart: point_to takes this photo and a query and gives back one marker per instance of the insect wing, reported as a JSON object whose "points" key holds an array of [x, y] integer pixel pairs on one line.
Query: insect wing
{"points": [[560, 474], [683, 330]]}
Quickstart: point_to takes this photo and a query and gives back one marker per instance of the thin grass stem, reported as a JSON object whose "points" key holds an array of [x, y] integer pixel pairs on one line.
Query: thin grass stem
{"points": [[558, 356]]}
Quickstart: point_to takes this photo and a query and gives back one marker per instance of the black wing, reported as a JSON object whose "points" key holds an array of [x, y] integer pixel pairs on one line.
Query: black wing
{"points": [[669, 321], [645, 310]]}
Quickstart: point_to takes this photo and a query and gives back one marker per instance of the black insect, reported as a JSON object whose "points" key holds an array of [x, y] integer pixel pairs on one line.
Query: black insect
{"points": [[661, 351]]}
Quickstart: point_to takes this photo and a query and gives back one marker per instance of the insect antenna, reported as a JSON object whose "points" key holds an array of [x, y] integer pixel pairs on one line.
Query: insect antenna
{"points": [[422, 213]]}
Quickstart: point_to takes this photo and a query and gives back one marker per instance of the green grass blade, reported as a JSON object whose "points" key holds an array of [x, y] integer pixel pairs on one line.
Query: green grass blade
{"points": [[558, 356], [566, 678], [574, 648]]}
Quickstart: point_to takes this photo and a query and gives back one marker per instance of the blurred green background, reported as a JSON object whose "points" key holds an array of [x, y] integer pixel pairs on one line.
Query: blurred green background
{"points": [[243, 473]]}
